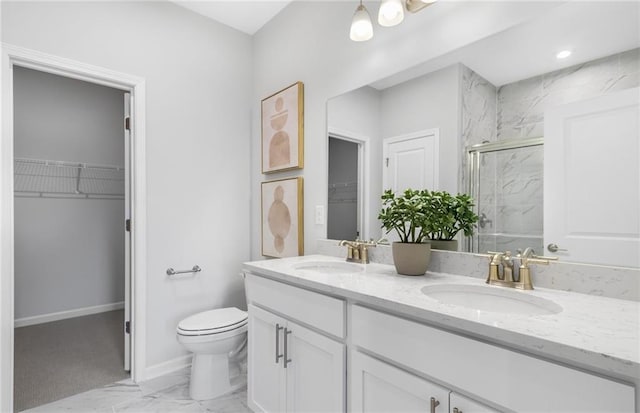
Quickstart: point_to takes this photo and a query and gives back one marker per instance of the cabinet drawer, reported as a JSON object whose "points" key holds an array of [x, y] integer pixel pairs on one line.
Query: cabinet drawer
{"points": [[513, 380], [314, 309]]}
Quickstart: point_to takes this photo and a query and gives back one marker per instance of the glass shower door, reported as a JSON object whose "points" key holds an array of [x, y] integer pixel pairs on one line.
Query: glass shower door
{"points": [[506, 182]]}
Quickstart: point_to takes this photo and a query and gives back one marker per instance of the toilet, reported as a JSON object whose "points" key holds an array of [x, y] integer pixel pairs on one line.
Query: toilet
{"points": [[213, 337]]}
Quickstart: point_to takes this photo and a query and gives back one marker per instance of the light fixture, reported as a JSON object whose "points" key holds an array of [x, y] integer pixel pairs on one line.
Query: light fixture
{"points": [[563, 54], [391, 13], [361, 26]]}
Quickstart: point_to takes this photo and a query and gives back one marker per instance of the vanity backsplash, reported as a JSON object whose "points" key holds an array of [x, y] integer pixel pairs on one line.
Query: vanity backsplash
{"points": [[612, 282]]}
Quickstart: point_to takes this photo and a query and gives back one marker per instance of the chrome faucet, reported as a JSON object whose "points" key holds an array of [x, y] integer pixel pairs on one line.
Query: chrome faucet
{"points": [[357, 251]]}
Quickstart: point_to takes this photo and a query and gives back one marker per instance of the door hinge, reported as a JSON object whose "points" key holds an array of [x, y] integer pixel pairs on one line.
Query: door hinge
{"points": [[127, 327], [127, 123], [127, 225], [387, 161]]}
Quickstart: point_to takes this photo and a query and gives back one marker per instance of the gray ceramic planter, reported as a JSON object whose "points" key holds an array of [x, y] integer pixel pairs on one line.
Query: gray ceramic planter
{"points": [[411, 259]]}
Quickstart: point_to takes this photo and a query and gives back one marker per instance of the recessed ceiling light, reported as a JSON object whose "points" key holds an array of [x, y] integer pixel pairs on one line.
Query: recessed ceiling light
{"points": [[563, 54]]}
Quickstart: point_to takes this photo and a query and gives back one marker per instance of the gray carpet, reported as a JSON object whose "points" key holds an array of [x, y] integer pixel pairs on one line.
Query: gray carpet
{"points": [[62, 358]]}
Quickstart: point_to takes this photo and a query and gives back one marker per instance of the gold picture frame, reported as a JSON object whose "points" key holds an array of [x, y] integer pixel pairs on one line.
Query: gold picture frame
{"points": [[282, 127], [282, 218]]}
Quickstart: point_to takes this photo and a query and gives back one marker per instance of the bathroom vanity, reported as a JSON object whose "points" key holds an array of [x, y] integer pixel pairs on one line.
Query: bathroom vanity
{"points": [[326, 335]]}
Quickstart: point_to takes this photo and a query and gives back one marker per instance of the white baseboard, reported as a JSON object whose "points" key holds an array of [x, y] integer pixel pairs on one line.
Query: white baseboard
{"points": [[61, 315], [167, 367]]}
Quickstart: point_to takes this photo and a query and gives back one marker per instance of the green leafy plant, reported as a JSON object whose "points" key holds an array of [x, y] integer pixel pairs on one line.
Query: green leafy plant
{"points": [[449, 215], [418, 215], [406, 214]]}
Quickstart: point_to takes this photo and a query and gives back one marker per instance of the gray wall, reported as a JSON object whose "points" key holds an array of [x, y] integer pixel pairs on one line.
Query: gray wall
{"points": [[69, 253], [198, 90]]}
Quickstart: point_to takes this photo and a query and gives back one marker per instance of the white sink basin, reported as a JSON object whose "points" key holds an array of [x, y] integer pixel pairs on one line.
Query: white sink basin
{"points": [[491, 299], [332, 267]]}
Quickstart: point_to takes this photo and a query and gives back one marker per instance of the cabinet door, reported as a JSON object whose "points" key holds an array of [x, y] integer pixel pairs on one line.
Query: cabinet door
{"points": [[315, 374], [265, 374], [461, 404], [380, 387]]}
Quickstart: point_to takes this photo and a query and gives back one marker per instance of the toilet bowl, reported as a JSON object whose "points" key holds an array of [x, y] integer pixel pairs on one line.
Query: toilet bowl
{"points": [[212, 336]]}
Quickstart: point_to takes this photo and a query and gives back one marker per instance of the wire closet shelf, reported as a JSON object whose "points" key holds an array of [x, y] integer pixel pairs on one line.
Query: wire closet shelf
{"points": [[41, 178]]}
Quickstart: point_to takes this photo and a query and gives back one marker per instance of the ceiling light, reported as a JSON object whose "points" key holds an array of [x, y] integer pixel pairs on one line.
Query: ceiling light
{"points": [[391, 13], [361, 26], [563, 54], [417, 5]]}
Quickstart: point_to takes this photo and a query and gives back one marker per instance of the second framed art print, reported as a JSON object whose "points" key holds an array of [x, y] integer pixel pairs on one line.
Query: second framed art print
{"points": [[282, 218]]}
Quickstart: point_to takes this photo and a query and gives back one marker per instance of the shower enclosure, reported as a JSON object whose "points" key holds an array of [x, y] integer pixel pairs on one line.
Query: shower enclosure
{"points": [[506, 182]]}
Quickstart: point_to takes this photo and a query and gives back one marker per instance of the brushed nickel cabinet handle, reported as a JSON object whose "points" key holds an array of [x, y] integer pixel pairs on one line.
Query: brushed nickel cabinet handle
{"points": [[434, 404], [278, 356], [287, 360]]}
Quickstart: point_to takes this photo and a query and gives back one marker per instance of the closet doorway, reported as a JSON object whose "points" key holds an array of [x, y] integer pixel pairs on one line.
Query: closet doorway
{"points": [[345, 213], [72, 248]]}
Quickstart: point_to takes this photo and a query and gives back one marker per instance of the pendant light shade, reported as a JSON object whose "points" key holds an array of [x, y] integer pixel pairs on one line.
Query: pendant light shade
{"points": [[391, 13], [361, 27]]}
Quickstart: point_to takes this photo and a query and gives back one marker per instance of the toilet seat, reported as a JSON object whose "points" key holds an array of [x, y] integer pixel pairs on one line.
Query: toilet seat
{"points": [[212, 322]]}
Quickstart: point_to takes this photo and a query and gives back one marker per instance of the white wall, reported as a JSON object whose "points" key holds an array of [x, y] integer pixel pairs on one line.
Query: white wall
{"points": [[426, 102], [69, 253], [357, 113], [430, 101], [320, 54], [198, 88]]}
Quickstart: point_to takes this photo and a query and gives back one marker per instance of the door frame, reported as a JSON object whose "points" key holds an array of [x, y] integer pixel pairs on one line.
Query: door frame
{"points": [[18, 56], [364, 168]]}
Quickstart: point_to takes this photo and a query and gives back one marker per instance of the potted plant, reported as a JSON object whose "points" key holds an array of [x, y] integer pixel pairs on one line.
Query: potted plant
{"points": [[408, 215], [447, 216]]}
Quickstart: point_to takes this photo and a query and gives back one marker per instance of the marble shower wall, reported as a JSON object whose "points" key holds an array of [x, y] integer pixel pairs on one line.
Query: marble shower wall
{"points": [[479, 114], [516, 206], [521, 105]]}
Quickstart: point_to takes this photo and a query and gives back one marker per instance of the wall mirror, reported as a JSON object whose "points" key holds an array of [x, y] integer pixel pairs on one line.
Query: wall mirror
{"points": [[475, 120]]}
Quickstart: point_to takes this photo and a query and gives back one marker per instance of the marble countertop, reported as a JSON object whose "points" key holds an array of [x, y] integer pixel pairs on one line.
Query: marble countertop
{"points": [[597, 333]]}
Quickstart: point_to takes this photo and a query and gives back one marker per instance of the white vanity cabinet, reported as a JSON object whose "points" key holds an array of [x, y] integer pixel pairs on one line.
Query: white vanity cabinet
{"points": [[377, 386], [503, 377], [293, 368], [461, 404], [397, 362]]}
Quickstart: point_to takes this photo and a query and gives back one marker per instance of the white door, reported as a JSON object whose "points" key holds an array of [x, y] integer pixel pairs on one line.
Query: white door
{"points": [[380, 387], [315, 372], [592, 180], [461, 404], [266, 358], [127, 232], [411, 161]]}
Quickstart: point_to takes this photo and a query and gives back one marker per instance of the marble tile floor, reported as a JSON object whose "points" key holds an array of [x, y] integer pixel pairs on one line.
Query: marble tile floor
{"points": [[168, 393]]}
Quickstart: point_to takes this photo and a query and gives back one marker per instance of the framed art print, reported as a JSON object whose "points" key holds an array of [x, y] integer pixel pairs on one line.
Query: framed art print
{"points": [[283, 129], [282, 218]]}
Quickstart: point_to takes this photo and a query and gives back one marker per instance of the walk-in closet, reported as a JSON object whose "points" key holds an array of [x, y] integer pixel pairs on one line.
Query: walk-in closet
{"points": [[70, 238]]}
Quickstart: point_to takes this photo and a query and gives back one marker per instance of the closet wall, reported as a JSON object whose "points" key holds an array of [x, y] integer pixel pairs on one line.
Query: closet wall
{"points": [[69, 252]]}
